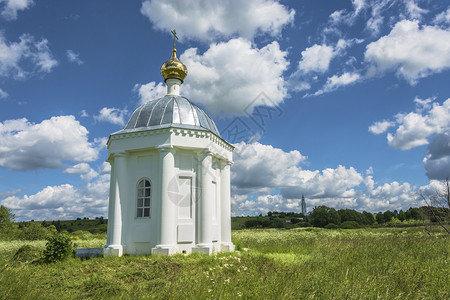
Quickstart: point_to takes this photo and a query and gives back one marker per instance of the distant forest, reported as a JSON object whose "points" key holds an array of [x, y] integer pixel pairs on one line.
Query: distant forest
{"points": [[321, 216]]}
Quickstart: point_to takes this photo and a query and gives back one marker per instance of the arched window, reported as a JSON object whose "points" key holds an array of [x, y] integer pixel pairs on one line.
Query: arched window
{"points": [[143, 199]]}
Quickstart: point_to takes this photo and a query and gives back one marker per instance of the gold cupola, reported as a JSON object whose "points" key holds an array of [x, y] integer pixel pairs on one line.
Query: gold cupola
{"points": [[173, 68]]}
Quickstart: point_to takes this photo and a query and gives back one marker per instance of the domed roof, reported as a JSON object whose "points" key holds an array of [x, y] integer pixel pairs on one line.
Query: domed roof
{"points": [[170, 110], [173, 68]]}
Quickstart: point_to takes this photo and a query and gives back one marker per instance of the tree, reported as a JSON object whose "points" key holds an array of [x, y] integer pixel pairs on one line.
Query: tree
{"points": [[323, 215], [7, 230], [438, 204], [380, 218], [368, 218], [6, 217]]}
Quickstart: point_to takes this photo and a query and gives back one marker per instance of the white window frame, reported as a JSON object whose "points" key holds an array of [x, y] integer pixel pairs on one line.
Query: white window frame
{"points": [[143, 199]]}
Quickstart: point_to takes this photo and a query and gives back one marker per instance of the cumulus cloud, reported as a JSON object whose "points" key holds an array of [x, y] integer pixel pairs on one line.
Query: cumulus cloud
{"points": [[430, 120], [11, 7], [437, 160], [229, 76], [74, 57], [380, 127], [65, 201], [112, 115], [334, 82], [411, 51], [265, 178], [316, 58], [29, 146], [207, 20], [150, 91], [81, 168], [26, 57], [262, 167], [62, 202], [415, 128]]}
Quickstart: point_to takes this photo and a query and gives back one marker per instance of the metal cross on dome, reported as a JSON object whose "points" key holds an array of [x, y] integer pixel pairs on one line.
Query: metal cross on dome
{"points": [[175, 37]]}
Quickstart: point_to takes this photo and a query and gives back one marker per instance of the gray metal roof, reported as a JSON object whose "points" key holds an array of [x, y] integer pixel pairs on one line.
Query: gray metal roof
{"points": [[170, 110]]}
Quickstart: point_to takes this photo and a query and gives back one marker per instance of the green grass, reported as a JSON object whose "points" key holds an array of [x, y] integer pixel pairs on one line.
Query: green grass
{"points": [[306, 263]]}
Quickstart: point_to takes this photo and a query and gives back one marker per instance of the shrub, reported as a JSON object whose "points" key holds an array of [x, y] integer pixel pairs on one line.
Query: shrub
{"points": [[58, 247], [27, 253], [349, 225], [331, 226], [34, 231]]}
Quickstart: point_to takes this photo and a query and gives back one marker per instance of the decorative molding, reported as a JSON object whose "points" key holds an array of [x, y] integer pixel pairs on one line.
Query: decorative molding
{"points": [[177, 132]]}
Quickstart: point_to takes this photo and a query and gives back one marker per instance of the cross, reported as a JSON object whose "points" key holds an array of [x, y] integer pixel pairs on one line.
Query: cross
{"points": [[174, 37]]}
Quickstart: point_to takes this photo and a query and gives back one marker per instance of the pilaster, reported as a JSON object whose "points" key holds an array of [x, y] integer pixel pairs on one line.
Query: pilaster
{"points": [[204, 233], [225, 208], [168, 231], [118, 195]]}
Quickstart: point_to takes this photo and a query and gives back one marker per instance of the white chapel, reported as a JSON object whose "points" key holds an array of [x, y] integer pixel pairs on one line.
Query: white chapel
{"points": [[170, 178]]}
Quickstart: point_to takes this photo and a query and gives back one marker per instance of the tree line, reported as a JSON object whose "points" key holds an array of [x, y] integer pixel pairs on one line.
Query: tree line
{"points": [[328, 217]]}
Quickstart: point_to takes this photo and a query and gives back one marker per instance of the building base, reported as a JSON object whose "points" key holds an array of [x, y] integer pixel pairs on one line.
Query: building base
{"points": [[227, 247], [203, 249], [163, 250], [113, 250]]}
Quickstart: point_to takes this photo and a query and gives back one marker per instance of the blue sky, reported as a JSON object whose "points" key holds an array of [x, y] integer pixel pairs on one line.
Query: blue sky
{"points": [[347, 102]]}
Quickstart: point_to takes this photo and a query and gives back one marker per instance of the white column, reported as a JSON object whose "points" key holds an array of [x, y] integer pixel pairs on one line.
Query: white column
{"points": [[173, 86], [118, 193], [225, 208], [111, 204], [204, 222], [168, 229]]}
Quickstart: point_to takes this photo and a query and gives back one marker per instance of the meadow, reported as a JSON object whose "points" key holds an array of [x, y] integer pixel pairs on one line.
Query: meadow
{"points": [[301, 263]]}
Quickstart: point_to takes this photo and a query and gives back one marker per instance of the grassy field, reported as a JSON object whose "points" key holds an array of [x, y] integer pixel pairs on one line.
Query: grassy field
{"points": [[306, 263]]}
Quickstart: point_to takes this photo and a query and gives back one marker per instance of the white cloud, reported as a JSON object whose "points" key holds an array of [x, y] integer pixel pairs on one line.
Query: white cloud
{"points": [[28, 146], [84, 114], [262, 167], [316, 58], [229, 76], [150, 91], [80, 168], [265, 178], [412, 51], [3, 94], [112, 115], [413, 10], [74, 57], [334, 82], [430, 120], [63, 202], [381, 127], [206, 20], [25, 58], [414, 128], [443, 18], [437, 160], [11, 7]]}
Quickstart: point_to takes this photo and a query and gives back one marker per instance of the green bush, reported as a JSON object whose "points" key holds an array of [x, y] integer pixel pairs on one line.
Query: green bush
{"points": [[27, 253], [59, 247], [331, 226], [349, 225], [34, 231]]}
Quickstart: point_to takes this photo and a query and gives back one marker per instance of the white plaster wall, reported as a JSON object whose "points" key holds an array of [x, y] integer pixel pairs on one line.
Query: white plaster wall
{"points": [[140, 235]]}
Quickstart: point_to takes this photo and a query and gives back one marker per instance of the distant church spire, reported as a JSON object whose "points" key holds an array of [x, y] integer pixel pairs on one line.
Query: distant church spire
{"points": [[303, 205]]}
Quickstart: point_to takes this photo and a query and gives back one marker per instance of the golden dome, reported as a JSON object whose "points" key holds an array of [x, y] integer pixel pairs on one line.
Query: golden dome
{"points": [[173, 68]]}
